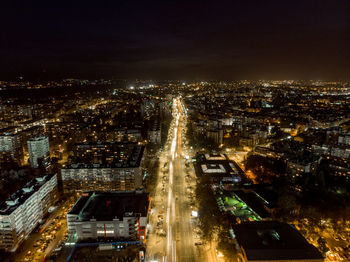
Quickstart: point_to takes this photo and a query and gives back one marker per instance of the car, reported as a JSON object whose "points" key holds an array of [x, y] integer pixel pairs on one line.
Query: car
{"points": [[58, 248]]}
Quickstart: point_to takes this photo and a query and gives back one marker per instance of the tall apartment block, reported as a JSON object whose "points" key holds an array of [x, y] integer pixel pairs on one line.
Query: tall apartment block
{"points": [[24, 209], [104, 167], [39, 151]]}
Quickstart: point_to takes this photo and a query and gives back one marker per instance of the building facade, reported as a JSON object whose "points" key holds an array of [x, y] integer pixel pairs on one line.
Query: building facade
{"points": [[104, 167], [98, 177], [112, 215], [39, 151], [154, 132], [10, 144], [22, 212]]}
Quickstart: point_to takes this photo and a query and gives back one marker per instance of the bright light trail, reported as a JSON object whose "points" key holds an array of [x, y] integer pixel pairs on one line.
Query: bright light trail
{"points": [[174, 251], [169, 238], [171, 173], [171, 244], [169, 199]]}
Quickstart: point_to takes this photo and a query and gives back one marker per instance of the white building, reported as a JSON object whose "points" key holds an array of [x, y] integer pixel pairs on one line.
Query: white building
{"points": [[83, 177], [342, 152], [344, 140], [22, 212], [39, 150], [113, 214], [11, 144], [120, 170]]}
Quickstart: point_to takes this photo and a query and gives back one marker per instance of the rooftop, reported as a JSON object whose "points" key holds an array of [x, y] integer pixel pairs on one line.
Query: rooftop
{"points": [[215, 157], [37, 138], [273, 240], [20, 196], [219, 167], [106, 155], [106, 206], [251, 199]]}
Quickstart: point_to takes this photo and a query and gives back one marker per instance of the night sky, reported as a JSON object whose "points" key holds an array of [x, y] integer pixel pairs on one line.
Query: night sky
{"points": [[308, 39]]}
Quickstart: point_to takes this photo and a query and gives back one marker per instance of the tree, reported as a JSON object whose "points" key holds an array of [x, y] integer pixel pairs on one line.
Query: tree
{"points": [[322, 245], [209, 213], [287, 203], [227, 248], [152, 174], [277, 132]]}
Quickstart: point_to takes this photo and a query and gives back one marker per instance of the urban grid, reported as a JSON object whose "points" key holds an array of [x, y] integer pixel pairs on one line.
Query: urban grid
{"points": [[102, 158]]}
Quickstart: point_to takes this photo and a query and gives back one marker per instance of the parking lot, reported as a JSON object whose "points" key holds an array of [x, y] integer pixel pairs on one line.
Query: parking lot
{"points": [[46, 237]]}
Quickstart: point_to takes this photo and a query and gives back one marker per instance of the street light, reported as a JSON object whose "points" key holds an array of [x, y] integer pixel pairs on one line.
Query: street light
{"points": [[220, 254]]}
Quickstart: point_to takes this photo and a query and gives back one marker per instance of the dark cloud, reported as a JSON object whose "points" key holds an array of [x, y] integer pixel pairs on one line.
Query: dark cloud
{"points": [[178, 39]]}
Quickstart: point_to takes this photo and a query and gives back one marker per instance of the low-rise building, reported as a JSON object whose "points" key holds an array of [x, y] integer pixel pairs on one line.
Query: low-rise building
{"points": [[219, 168], [114, 215], [273, 241]]}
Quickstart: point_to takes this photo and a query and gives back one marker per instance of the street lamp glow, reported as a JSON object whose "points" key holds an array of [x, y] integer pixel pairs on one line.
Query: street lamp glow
{"points": [[194, 213]]}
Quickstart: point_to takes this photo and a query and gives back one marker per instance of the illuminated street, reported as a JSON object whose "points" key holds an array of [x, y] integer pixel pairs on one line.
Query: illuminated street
{"points": [[175, 197], [179, 214], [157, 131], [49, 236]]}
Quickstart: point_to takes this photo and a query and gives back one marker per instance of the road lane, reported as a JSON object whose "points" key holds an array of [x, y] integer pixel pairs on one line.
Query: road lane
{"points": [[179, 242]]}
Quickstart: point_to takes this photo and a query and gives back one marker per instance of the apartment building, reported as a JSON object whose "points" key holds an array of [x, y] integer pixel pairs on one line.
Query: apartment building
{"points": [[104, 167], [39, 151], [24, 209]]}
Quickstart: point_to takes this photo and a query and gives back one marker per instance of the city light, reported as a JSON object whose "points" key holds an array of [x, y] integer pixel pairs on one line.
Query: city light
{"points": [[175, 134]]}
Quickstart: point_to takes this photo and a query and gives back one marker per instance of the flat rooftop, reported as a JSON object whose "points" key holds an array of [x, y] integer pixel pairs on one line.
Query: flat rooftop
{"points": [[252, 200], [214, 157], [230, 203], [21, 195], [106, 206], [273, 240], [219, 167], [106, 155]]}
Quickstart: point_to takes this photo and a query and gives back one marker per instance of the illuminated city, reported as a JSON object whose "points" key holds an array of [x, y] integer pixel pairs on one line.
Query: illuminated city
{"points": [[107, 154]]}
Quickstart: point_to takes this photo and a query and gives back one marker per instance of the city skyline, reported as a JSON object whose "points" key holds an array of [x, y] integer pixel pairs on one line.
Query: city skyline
{"points": [[172, 130]]}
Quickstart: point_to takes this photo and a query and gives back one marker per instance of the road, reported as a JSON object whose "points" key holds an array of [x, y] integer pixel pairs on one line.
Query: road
{"points": [[171, 213], [181, 221], [47, 233]]}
